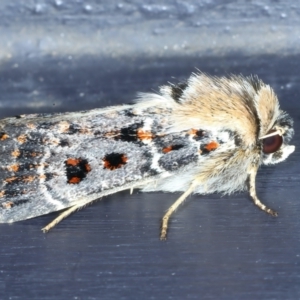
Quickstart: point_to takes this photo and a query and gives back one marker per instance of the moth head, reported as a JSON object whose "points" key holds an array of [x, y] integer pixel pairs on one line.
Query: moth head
{"points": [[275, 144]]}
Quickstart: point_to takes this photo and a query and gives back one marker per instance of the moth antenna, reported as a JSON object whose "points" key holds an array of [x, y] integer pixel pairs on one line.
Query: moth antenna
{"points": [[62, 216], [172, 208], [278, 131]]}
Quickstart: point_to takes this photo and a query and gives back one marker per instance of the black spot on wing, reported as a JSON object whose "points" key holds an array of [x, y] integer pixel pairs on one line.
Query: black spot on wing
{"points": [[146, 167], [48, 176], [128, 113], [172, 148], [76, 169], [199, 135], [11, 192], [64, 143], [114, 160], [130, 133], [45, 125], [74, 128]]}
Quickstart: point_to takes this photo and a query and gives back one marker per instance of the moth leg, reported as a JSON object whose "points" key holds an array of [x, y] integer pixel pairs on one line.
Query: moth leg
{"points": [[252, 191], [62, 216], [172, 208]]}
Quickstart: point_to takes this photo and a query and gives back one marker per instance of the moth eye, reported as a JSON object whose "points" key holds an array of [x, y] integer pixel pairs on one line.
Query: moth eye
{"points": [[272, 144]]}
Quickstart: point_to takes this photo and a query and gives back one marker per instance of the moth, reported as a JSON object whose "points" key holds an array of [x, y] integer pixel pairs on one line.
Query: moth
{"points": [[208, 134]]}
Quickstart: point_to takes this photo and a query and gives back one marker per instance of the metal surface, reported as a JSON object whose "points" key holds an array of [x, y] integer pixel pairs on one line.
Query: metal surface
{"points": [[218, 247]]}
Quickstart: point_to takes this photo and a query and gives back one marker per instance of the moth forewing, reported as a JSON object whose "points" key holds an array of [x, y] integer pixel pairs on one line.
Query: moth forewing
{"points": [[209, 134]]}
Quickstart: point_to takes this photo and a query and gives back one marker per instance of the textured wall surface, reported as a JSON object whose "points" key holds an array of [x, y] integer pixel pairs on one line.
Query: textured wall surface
{"points": [[61, 55]]}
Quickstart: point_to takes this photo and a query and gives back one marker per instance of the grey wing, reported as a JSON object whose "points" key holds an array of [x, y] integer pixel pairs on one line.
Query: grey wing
{"points": [[51, 162]]}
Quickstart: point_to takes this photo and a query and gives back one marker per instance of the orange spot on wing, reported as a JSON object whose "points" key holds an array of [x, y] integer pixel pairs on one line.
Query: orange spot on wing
{"points": [[29, 178], [31, 126], [73, 161], [53, 141], [211, 146], [10, 179], [88, 167], [85, 131], [25, 179], [21, 138], [16, 153], [7, 205], [144, 135], [3, 136], [63, 126], [74, 180], [124, 159], [167, 149], [107, 165], [193, 131], [112, 134], [34, 154], [197, 132], [44, 165], [2, 193], [14, 168]]}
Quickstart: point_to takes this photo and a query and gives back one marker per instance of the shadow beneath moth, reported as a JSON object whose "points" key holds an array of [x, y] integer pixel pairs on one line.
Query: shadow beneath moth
{"points": [[209, 134]]}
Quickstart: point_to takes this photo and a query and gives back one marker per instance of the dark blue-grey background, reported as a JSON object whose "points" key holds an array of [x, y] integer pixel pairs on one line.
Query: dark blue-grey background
{"points": [[69, 55]]}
